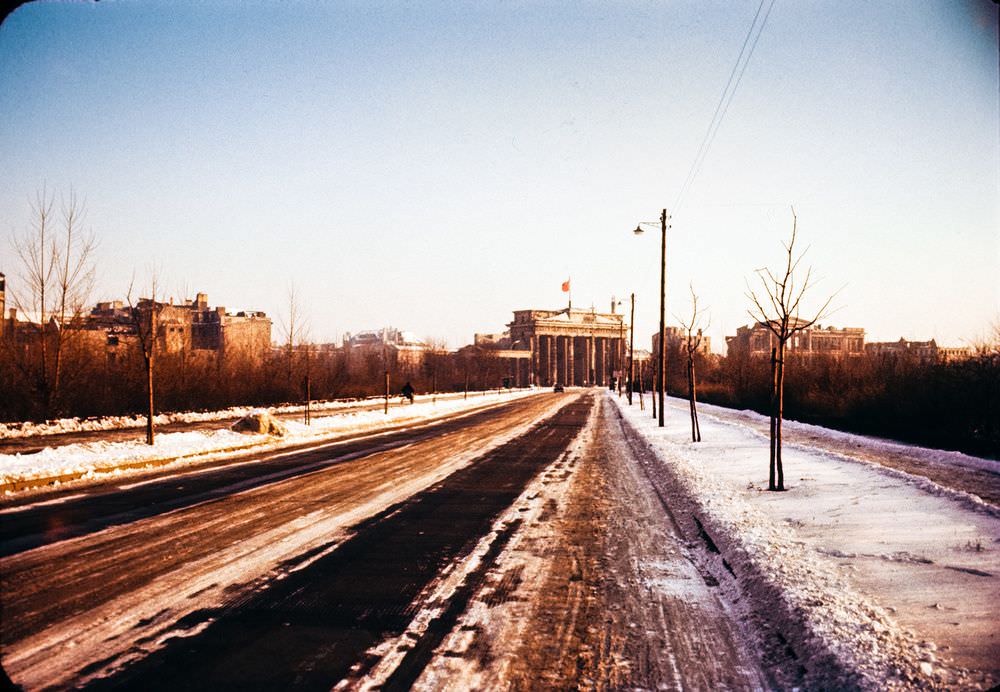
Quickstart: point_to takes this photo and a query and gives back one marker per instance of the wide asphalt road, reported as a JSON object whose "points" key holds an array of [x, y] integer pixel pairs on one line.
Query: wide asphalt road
{"points": [[278, 572]]}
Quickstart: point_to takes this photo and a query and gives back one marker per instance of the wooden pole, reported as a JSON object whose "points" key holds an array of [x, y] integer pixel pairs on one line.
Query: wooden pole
{"points": [[631, 351], [150, 361], [387, 392], [662, 354]]}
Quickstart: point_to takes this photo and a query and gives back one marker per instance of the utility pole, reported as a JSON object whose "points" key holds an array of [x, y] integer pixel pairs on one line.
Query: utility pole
{"points": [[387, 392], [308, 383], [662, 354], [631, 351]]}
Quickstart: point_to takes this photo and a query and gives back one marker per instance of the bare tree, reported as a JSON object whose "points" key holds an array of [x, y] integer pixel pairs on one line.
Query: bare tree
{"points": [[779, 310], [693, 337], [292, 329], [57, 276], [145, 317], [295, 330]]}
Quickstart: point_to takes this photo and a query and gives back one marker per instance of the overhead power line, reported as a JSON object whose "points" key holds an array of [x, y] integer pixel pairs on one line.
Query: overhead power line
{"points": [[725, 99]]}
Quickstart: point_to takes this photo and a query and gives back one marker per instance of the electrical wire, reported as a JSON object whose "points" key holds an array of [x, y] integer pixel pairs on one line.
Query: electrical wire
{"points": [[725, 100]]}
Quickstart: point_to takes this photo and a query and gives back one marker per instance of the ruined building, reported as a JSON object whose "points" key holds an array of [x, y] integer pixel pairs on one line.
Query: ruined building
{"points": [[757, 341], [400, 347], [676, 337], [189, 328], [923, 351]]}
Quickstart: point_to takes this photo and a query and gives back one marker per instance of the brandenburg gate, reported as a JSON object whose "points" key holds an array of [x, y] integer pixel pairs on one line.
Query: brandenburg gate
{"points": [[569, 346]]}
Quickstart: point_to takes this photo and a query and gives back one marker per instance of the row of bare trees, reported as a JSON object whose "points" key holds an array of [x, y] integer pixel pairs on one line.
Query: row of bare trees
{"points": [[777, 304], [51, 366], [56, 257]]}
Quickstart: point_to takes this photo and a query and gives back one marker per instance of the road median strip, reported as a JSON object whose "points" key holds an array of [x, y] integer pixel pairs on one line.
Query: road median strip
{"points": [[13, 482]]}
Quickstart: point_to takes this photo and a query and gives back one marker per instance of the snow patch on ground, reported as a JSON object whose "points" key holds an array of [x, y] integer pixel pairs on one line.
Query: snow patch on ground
{"points": [[71, 425], [857, 563], [92, 458], [879, 444]]}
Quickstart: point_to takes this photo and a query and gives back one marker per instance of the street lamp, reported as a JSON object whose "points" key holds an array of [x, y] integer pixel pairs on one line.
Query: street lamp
{"points": [[661, 355]]}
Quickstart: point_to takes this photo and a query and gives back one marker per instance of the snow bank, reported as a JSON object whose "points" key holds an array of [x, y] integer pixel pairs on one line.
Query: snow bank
{"points": [[69, 425], [68, 462], [754, 420], [875, 582]]}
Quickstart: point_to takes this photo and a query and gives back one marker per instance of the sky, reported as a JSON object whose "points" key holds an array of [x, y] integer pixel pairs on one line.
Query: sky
{"points": [[435, 166]]}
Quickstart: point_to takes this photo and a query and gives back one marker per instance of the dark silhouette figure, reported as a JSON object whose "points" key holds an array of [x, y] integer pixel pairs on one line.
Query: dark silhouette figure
{"points": [[407, 391]]}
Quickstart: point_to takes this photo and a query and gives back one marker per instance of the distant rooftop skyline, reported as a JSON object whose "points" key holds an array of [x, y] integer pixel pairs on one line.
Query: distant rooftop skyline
{"points": [[437, 167]]}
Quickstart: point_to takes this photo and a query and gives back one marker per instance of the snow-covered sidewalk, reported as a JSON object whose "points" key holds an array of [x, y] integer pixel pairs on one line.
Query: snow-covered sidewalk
{"points": [[85, 460], [864, 568]]}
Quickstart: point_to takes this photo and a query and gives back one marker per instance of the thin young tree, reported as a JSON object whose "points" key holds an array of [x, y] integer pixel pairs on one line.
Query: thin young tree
{"points": [[692, 342], [145, 315], [778, 307], [56, 278], [292, 328]]}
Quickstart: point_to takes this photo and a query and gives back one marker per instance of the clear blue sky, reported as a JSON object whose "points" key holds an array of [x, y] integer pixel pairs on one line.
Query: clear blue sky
{"points": [[435, 166]]}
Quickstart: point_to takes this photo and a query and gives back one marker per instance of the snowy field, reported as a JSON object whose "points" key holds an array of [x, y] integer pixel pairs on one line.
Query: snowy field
{"points": [[869, 569], [91, 459]]}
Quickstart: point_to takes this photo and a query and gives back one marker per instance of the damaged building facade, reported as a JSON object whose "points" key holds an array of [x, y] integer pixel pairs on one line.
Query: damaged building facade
{"points": [[191, 328], [816, 341]]}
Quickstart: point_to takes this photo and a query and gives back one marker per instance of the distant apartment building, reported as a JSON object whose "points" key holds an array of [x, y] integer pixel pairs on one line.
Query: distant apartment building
{"points": [[758, 340], [923, 351], [404, 348], [676, 337]]}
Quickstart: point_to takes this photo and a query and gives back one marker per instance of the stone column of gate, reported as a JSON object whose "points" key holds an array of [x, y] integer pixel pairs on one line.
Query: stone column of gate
{"points": [[548, 360], [570, 362], [532, 359], [589, 355], [605, 352], [595, 347], [599, 361], [602, 360], [562, 361], [605, 361]]}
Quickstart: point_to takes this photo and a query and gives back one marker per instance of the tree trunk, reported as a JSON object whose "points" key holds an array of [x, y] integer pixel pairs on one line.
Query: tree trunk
{"points": [[779, 415], [149, 389], [693, 401], [642, 403], [149, 352], [773, 409]]}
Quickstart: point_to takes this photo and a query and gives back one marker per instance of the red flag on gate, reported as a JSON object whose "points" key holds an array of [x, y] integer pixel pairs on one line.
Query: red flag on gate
{"points": [[566, 286]]}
